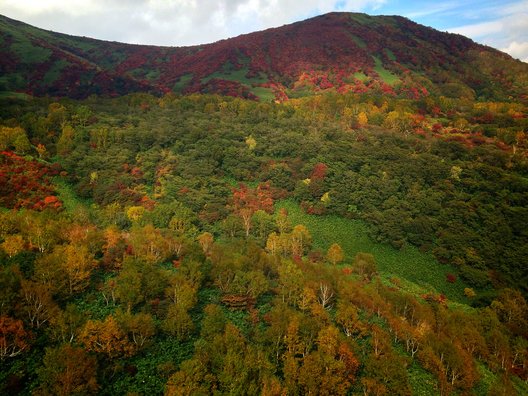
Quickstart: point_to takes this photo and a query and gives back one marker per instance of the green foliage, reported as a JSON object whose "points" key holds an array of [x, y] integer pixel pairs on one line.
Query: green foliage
{"points": [[182, 82], [267, 312], [422, 382], [353, 236]]}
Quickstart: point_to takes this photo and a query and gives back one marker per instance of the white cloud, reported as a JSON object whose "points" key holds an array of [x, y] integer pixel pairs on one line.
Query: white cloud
{"points": [[517, 50], [170, 22], [35, 7], [478, 30], [434, 9], [506, 29]]}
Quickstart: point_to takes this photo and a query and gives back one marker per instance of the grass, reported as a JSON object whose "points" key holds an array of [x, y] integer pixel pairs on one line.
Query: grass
{"points": [[423, 383], [264, 94], [418, 272], [390, 54], [54, 71], [154, 365], [14, 95], [28, 53], [229, 73], [72, 204], [152, 75], [363, 19], [361, 76], [488, 380], [360, 43], [182, 82], [384, 74]]}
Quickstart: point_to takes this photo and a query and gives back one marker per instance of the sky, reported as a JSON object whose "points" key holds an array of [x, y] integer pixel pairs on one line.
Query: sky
{"points": [[499, 24]]}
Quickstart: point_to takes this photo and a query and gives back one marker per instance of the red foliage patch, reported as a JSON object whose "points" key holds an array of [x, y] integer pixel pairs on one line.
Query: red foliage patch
{"points": [[319, 171], [26, 183]]}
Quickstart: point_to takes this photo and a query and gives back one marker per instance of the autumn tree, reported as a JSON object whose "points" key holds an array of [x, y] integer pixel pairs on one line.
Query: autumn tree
{"points": [[66, 325], [38, 303], [347, 316], [138, 281], [14, 339], [206, 241], [65, 142], [67, 370], [512, 310], [365, 265], [191, 379], [10, 278], [13, 244], [149, 243], [273, 244], [214, 321], [178, 322], [181, 291], [331, 369], [290, 284], [106, 337], [362, 119], [78, 264], [41, 230], [14, 138], [300, 240], [246, 201], [140, 327], [335, 254]]}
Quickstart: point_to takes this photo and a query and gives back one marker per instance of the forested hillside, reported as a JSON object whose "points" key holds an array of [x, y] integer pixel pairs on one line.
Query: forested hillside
{"points": [[334, 244], [337, 52]]}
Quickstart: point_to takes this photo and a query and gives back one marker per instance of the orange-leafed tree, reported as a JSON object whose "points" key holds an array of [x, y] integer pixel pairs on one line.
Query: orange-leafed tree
{"points": [[246, 201], [78, 265], [13, 244], [106, 337]]}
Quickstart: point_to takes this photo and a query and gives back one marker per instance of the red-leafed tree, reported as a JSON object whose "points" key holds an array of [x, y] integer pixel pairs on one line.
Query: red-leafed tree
{"points": [[246, 201], [319, 171]]}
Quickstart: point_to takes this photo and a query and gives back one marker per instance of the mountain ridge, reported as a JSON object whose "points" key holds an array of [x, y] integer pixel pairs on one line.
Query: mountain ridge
{"points": [[337, 51]]}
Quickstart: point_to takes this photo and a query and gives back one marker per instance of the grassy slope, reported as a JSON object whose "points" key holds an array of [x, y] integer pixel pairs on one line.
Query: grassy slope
{"points": [[419, 272]]}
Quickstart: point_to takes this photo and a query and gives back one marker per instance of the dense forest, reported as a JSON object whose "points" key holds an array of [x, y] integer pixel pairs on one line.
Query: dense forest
{"points": [[334, 244]]}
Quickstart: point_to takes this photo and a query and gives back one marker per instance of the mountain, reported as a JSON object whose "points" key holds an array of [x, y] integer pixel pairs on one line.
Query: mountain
{"points": [[341, 51]]}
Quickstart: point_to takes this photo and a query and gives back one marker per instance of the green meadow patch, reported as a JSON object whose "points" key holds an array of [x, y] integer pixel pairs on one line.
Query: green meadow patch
{"points": [[54, 71], [419, 272], [384, 74], [182, 82]]}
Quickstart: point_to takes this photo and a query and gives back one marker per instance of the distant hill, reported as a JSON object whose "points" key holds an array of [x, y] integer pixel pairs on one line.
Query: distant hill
{"points": [[336, 51]]}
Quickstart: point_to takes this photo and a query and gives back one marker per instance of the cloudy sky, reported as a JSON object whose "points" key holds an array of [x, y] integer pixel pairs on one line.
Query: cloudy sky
{"points": [[500, 24]]}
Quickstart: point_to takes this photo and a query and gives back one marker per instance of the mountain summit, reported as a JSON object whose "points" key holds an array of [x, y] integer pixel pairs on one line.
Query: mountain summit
{"points": [[337, 51]]}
